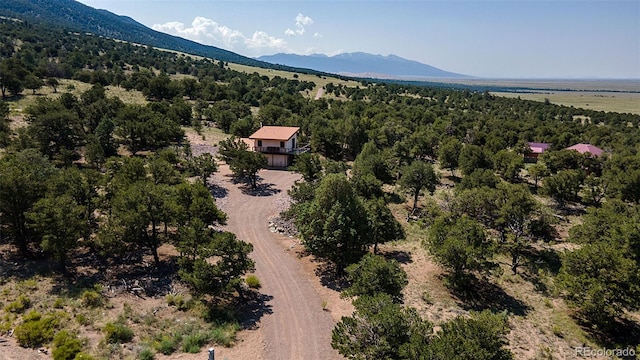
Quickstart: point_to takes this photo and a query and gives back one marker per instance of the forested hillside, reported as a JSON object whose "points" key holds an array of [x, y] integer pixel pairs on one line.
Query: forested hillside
{"points": [[76, 16], [91, 186]]}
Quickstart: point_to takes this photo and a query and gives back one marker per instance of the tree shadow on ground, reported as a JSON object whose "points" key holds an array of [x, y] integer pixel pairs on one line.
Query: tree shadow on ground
{"points": [[253, 308], [14, 265], [331, 277], [479, 294], [402, 257], [394, 198], [260, 190], [620, 334], [541, 262], [218, 191], [131, 274]]}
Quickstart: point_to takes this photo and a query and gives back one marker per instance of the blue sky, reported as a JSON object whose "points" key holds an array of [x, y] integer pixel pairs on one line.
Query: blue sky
{"points": [[505, 39]]}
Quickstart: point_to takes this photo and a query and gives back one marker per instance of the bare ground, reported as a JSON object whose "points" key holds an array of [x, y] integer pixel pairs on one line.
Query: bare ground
{"points": [[293, 323]]}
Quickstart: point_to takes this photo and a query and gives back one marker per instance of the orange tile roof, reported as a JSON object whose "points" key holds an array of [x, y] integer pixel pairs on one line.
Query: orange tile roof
{"points": [[282, 133]]}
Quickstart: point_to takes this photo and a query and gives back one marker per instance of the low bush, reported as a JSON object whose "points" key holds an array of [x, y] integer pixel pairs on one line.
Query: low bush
{"points": [[253, 282], [66, 346], [225, 334], [21, 304], [165, 345], [92, 299], [146, 354], [35, 329], [117, 333], [193, 342]]}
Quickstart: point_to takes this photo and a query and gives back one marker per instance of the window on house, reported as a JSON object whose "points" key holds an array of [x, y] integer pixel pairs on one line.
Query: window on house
{"points": [[281, 144], [259, 142]]}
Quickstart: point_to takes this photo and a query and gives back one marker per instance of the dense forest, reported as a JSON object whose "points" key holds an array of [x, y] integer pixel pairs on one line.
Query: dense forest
{"points": [[93, 176]]}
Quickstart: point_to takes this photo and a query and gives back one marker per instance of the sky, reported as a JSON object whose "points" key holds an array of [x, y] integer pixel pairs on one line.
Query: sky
{"points": [[485, 38]]}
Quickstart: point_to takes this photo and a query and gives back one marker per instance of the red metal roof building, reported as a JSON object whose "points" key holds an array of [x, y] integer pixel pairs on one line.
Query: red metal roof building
{"points": [[586, 148]]}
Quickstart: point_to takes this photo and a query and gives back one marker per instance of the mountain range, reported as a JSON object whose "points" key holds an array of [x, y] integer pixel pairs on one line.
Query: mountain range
{"points": [[361, 64], [76, 16]]}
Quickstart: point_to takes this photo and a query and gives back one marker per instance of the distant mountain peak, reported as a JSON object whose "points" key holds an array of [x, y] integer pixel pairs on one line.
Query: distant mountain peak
{"points": [[362, 64]]}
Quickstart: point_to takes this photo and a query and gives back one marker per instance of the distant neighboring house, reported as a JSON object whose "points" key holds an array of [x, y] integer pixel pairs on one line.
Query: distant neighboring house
{"points": [[278, 143], [587, 148], [536, 150]]}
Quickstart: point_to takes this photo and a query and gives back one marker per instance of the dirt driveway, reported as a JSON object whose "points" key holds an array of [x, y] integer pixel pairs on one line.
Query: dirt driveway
{"points": [[292, 323]]}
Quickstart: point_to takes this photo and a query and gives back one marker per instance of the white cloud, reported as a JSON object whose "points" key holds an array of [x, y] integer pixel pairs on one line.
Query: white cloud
{"points": [[203, 30], [317, 35], [261, 40], [209, 32], [301, 22]]}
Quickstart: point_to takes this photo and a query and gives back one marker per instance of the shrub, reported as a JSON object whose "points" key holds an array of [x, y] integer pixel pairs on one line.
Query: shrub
{"points": [[253, 282], [66, 346], [179, 302], [58, 304], [21, 304], [193, 342], [117, 333], [92, 298], [83, 319], [35, 329], [165, 345], [225, 334], [146, 354]]}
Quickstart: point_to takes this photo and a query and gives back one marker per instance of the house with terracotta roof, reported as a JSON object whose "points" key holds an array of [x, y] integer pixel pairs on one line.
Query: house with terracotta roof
{"points": [[587, 148], [536, 149], [278, 143]]}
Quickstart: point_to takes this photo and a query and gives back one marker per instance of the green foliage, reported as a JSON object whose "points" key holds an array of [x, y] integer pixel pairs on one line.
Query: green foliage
{"points": [[372, 161], [473, 157], [142, 128], [35, 329], [479, 178], [559, 160], [253, 282], [508, 164], [146, 354], [373, 275], [564, 186], [377, 329], [204, 166], [383, 226], [22, 184], [334, 224], [92, 298], [18, 306], [60, 222], [601, 277], [224, 276], [417, 176], [479, 338], [117, 333], [225, 334], [66, 346], [537, 172], [309, 166], [56, 126], [460, 244], [166, 345], [243, 163], [449, 154]]}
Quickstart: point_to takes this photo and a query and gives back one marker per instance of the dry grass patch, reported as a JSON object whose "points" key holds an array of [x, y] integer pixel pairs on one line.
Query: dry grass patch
{"points": [[600, 101]]}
